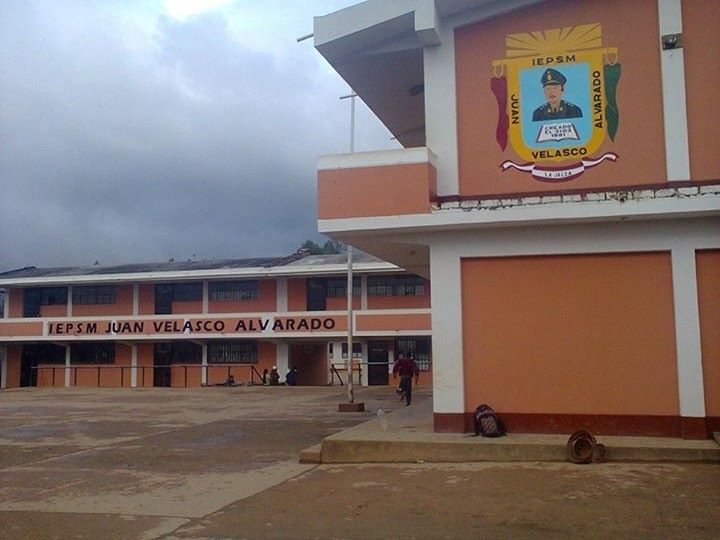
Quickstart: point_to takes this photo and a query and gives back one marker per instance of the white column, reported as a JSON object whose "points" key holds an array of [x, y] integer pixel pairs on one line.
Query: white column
{"points": [[204, 370], [364, 363], [441, 110], [446, 297], [136, 299], [391, 361], [282, 294], [687, 333], [206, 297], [672, 67], [67, 366], [363, 293], [133, 364], [6, 306], [69, 301], [3, 366], [283, 359]]}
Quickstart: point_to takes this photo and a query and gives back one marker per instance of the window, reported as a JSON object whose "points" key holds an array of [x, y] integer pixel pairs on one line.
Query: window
{"points": [[36, 297], [187, 292], [53, 296], [357, 350], [408, 285], [380, 286], [233, 352], [94, 295], [234, 290], [419, 349], [337, 287], [182, 352], [92, 353]]}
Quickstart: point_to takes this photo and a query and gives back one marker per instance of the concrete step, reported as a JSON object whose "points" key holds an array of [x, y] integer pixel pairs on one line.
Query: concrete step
{"points": [[380, 447], [311, 455]]}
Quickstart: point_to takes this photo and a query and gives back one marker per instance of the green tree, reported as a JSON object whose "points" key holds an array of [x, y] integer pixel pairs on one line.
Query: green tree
{"points": [[327, 248]]}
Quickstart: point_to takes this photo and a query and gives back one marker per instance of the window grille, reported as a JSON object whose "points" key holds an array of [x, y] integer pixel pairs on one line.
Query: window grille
{"points": [[187, 292], [92, 353], [418, 349], [94, 295], [233, 352], [337, 287], [407, 285], [357, 350], [234, 290]]}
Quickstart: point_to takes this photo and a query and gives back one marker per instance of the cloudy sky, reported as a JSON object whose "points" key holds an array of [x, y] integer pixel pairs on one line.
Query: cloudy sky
{"points": [[134, 131]]}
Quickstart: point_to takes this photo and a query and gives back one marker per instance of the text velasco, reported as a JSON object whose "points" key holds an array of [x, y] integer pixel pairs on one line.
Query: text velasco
{"points": [[202, 326]]}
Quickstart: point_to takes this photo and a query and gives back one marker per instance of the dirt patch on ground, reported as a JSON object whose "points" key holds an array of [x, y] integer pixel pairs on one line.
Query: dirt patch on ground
{"points": [[478, 501]]}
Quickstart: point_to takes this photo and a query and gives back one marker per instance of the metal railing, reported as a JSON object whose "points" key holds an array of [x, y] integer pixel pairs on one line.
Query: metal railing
{"points": [[253, 374], [334, 371]]}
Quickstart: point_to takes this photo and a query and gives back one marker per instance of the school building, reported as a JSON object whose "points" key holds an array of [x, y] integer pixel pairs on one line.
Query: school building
{"points": [[559, 183], [192, 323]]}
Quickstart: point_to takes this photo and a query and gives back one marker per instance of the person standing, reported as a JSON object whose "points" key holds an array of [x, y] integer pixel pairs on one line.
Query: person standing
{"points": [[406, 367], [291, 377]]}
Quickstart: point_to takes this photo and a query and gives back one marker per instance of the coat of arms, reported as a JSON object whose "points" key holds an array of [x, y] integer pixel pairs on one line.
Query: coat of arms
{"points": [[556, 94]]}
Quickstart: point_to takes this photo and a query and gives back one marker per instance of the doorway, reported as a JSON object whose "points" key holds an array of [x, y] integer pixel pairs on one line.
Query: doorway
{"points": [[162, 360], [316, 294], [311, 362], [163, 299], [36, 354], [378, 363], [28, 368]]}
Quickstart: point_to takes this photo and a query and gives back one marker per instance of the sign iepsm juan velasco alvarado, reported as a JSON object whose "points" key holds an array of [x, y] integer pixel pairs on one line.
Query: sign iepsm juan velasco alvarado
{"points": [[556, 95]]}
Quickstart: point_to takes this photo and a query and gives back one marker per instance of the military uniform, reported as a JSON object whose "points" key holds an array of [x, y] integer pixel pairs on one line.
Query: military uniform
{"points": [[565, 108]]}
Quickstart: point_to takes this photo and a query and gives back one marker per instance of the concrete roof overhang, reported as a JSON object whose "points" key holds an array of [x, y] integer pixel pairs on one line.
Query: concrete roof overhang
{"points": [[377, 47]]}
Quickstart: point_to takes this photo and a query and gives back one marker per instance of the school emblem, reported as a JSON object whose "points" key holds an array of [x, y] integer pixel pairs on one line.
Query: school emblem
{"points": [[556, 95]]}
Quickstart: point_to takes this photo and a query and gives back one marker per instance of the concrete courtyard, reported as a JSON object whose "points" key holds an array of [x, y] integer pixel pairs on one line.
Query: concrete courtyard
{"points": [[223, 463]]}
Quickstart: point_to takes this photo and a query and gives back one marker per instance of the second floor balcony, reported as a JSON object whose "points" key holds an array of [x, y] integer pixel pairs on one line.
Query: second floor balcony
{"points": [[369, 184]]}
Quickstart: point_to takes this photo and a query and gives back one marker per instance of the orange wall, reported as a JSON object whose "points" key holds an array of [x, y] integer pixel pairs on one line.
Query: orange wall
{"points": [[45, 375], [265, 302], [376, 191], [586, 334], [15, 300], [87, 375], [701, 21], [123, 305], [146, 299], [340, 303], [408, 321], [21, 328], [708, 272], [297, 294], [54, 311], [110, 374], [187, 307], [632, 27], [145, 357]]}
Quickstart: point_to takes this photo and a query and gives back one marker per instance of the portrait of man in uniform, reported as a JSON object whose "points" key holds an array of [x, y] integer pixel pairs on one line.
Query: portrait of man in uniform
{"points": [[553, 83]]}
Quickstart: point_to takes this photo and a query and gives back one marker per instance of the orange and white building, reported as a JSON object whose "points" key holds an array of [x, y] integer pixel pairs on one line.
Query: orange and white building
{"points": [[185, 324], [560, 186]]}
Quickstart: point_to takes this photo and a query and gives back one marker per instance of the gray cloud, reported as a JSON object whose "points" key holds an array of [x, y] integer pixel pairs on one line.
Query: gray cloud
{"points": [[136, 138]]}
